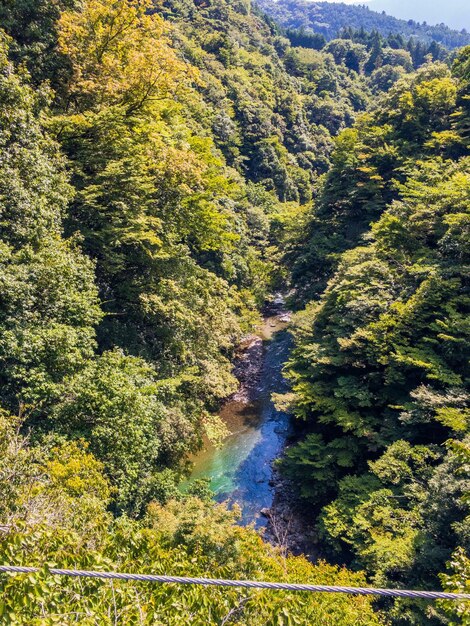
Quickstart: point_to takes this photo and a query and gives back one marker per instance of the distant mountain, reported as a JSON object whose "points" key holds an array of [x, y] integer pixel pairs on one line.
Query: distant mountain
{"points": [[328, 18], [454, 13]]}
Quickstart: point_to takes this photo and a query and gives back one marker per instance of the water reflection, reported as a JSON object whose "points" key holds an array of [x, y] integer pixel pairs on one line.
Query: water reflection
{"points": [[240, 471]]}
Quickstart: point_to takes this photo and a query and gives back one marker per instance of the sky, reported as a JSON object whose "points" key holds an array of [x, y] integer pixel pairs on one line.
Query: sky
{"points": [[454, 13]]}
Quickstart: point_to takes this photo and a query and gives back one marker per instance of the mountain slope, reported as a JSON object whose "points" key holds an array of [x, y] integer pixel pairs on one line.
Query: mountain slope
{"points": [[329, 18], [453, 12]]}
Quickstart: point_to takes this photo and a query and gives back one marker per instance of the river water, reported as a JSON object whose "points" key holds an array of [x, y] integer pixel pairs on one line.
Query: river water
{"points": [[240, 471]]}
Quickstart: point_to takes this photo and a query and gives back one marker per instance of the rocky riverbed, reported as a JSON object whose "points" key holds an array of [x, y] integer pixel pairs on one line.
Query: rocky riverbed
{"points": [[243, 470], [288, 524]]}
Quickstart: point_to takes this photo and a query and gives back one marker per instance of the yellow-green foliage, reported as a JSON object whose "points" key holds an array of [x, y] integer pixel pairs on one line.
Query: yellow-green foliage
{"points": [[53, 512]]}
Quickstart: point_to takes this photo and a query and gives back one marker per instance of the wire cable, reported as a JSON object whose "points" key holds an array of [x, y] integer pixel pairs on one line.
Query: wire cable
{"points": [[249, 584]]}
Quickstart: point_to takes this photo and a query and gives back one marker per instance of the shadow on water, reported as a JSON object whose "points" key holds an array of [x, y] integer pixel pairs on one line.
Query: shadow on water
{"points": [[240, 471]]}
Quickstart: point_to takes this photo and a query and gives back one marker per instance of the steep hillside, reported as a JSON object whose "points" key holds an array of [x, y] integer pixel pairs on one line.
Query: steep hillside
{"points": [[183, 136], [164, 166], [380, 369]]}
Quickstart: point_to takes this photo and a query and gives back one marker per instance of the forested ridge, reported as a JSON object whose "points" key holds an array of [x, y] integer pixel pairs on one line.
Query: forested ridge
{"points": [[165, 166], [380, 369], [329, 19]]}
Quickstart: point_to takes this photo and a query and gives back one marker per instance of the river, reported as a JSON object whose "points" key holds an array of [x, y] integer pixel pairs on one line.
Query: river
{"points": [[240, 471]]}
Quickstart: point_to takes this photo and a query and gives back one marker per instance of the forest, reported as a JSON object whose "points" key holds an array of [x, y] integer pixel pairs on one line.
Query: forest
{"points": [[329, 19], [165, 166]]}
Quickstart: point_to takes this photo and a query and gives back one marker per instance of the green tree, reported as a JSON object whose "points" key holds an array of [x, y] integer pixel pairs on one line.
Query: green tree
{"points": [[49, 304]]}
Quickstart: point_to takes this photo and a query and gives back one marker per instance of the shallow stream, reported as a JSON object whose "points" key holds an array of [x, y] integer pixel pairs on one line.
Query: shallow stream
{"points": [[241, 469]]}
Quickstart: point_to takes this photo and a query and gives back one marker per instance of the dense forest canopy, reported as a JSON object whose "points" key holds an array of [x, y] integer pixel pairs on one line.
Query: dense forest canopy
{"points": [[164, 166], [380, 368]]}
